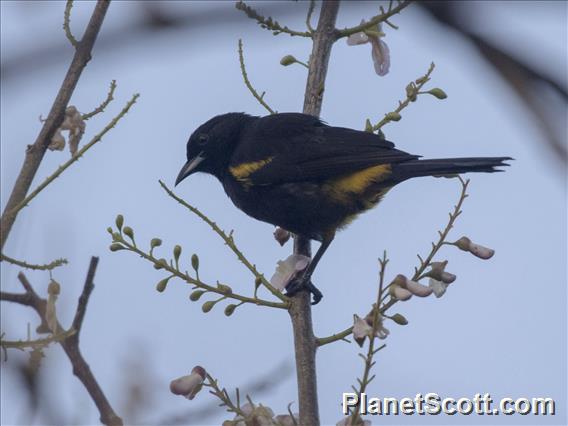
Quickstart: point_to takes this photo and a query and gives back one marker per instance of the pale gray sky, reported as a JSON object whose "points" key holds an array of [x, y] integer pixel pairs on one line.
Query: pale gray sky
{"points": [[500, 328]]}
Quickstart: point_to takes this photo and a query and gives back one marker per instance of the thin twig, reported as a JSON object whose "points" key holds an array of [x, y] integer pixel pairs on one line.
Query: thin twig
{"points": [[375, 20], [71, 343], [311, 8], [35, 152], [269, 23], [229, 241], [175, 272], [88, 288], [66, 24], [413, 90], [371, 351], [74, 158], [24, 264], [259, 98], [36, 343], [223, 396], [419, 270], [104, 104]]}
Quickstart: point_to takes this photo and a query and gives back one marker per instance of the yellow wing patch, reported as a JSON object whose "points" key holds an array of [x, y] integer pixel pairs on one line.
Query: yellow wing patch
{"points": [[358, 182], [244, 170]]}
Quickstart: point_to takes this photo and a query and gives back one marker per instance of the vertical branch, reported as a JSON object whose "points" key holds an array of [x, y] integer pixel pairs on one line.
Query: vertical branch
{"points": [[300, 308], [35, 152]]}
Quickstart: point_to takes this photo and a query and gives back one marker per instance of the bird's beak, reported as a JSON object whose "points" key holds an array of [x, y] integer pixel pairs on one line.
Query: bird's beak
{"points": [[189, 168]]}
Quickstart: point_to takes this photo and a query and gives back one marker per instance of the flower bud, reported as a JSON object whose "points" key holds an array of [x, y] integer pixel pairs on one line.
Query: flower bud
{"points": [[224, 289], [288, 60], [393, 116], [109, 230], [257, 282], [196, 295], [54, 288], [155, 242], [177, 252], [119, 221], [399, 319], [116, 247], [281, 235], [195, 262], [230, 309], [463, 243], [438, 93], [481, 252], [189, 385], [368, 126], [128, 232], [160, 264], [421, 80], [207, 306], [161, 286], [466, 244], [411, 92]]}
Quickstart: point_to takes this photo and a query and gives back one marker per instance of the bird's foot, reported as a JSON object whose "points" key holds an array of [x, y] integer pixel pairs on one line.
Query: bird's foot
{"points": [[300, 283]]}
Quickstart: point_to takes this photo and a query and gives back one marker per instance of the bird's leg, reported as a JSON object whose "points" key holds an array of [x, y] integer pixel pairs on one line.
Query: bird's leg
{"points": [[303, 282]]}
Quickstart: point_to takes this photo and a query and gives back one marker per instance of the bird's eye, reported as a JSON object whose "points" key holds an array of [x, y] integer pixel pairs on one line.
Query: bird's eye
{"points": [[202, 139]]}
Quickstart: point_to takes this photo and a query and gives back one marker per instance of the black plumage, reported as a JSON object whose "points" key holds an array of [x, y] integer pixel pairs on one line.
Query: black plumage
{"points": [[294, 171]]}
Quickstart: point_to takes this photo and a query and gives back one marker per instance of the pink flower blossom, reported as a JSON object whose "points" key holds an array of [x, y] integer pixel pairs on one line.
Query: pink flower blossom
{"points": [[189, 385], [379, 49], [286, 269]]}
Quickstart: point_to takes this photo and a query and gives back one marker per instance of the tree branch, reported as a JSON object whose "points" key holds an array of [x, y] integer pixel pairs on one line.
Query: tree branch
{"points": [[97, 138], [35, 152], [47, 267], [269, 23], [300, 307], [70, 343], [383, 17], [259, 98]]}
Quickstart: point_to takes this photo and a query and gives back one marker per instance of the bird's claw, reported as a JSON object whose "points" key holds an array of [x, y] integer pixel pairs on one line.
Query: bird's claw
{"points": [[298, 284]]}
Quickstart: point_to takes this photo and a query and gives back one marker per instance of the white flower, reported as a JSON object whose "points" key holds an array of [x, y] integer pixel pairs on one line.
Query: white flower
{"points": [[286, 269], [466, 244], [439, 278], [414, 287], [379, 49], [188, 386], [438, 287], [362, 328], [399, 293]]}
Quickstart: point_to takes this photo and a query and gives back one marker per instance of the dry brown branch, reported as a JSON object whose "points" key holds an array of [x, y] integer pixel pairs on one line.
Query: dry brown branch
{"points": [[35, 152], [70, 344], [300, 307]]}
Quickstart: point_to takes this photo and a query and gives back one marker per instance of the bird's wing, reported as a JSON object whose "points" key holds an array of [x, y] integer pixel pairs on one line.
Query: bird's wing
{"points": [[296, 147]]}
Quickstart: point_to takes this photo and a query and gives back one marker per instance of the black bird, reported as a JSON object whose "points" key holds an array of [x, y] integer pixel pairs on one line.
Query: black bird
{"points": [[294, 171]]}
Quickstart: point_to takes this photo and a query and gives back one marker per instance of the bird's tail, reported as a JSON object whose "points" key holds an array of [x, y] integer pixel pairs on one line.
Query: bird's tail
{"points": [[450, 166]]}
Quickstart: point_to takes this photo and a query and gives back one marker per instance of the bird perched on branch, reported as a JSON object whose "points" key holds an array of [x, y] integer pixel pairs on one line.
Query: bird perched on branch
{"points": [[294, 171]]}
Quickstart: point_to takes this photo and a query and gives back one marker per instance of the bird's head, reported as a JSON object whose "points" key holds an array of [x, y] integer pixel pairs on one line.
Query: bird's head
{"points": [[210, 147]]}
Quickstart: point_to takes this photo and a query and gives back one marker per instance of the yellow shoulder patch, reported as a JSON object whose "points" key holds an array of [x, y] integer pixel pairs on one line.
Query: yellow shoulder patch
{"points": [[244, 170], [359, 181]]}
